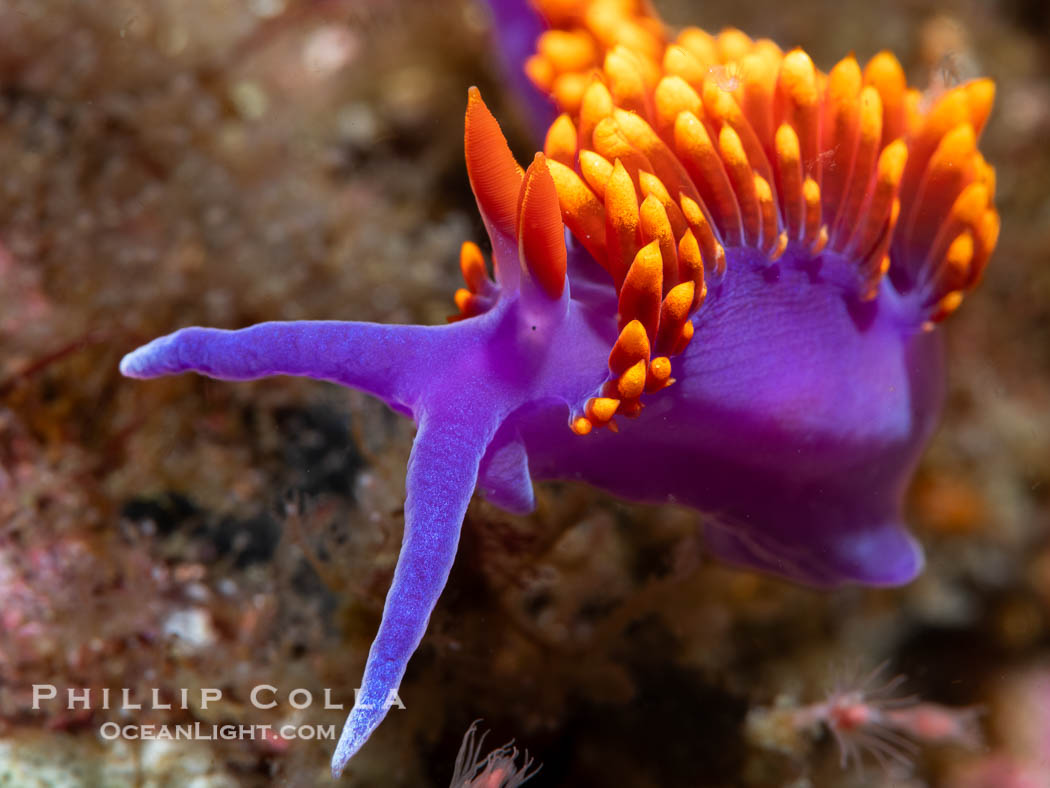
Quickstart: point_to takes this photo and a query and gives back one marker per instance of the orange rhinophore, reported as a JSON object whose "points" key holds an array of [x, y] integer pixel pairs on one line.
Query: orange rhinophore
{"points": [[494, 173], [541, 234], [525, 207]]}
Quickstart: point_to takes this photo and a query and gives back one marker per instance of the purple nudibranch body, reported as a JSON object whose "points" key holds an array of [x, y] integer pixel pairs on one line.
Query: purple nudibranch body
{"points": [[807, 378]]}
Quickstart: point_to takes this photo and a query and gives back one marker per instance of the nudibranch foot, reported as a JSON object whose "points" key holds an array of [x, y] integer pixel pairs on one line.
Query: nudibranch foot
{"points": [[884, 555]]}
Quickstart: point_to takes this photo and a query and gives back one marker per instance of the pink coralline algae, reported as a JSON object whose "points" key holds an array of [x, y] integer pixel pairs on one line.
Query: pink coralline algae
{"points": [[718, 285]]}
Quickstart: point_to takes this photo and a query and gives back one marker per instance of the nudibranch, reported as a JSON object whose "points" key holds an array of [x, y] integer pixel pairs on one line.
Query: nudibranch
{"points": [[717, 285]]}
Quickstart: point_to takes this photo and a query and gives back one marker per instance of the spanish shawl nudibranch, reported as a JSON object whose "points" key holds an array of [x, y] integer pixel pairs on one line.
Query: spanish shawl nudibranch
{"points": [[780, 240]]}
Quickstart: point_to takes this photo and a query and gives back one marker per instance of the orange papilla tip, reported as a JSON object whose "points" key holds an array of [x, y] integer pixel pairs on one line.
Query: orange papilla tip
{"points": [[733, 44], [561, 143], [888, 172], [950, 111], [872, 266], [655, 226], [980, 94], [672, 96], [779, 247], [769, 51], [869, 134], [798, 99], [596, 170], [626, 82], [680, 62], [953, 270], [884, 73], [469, 304], [604, 19], [789, 179], [541, 234], [811, 197], [642, 289], [600, 410], [684, 339], [644, 35], [610, 142], [652, 186], [463, 297], [700, 44], [568, 51], [472, 266], [631, 383], [821, 242], [987, 236], [647, 65], [494, 175], [722, 109], [985, 174], [949, 170], [713, 254], [621, 223], [704, 163], [582, 426], [631, 346], [691, 262], [914, 114], [945, 307], [741, 177], [596, 105], [759, 79], [665, 165], [674, 313], [568, 89], [625, 24], [581, 211], [659, 374], [768, 214], [540, 72], [841, 110], [988, 229]]}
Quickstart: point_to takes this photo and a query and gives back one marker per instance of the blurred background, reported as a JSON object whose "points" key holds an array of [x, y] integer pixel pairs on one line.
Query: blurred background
{"points": [[165, 163]]}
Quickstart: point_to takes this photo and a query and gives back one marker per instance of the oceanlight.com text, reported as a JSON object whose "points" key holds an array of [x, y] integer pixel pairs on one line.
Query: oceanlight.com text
{"points": [[197, 731]]}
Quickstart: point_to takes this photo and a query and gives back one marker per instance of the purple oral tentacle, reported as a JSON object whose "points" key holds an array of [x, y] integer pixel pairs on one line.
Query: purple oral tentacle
{"points": [[389, 361]]}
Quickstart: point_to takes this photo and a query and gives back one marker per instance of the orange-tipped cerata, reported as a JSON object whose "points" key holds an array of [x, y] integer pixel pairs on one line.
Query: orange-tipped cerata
{"points": [[669, 152]]}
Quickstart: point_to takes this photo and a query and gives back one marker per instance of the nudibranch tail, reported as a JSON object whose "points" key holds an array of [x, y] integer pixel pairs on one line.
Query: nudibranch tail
{"points": [[679, 150]]}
